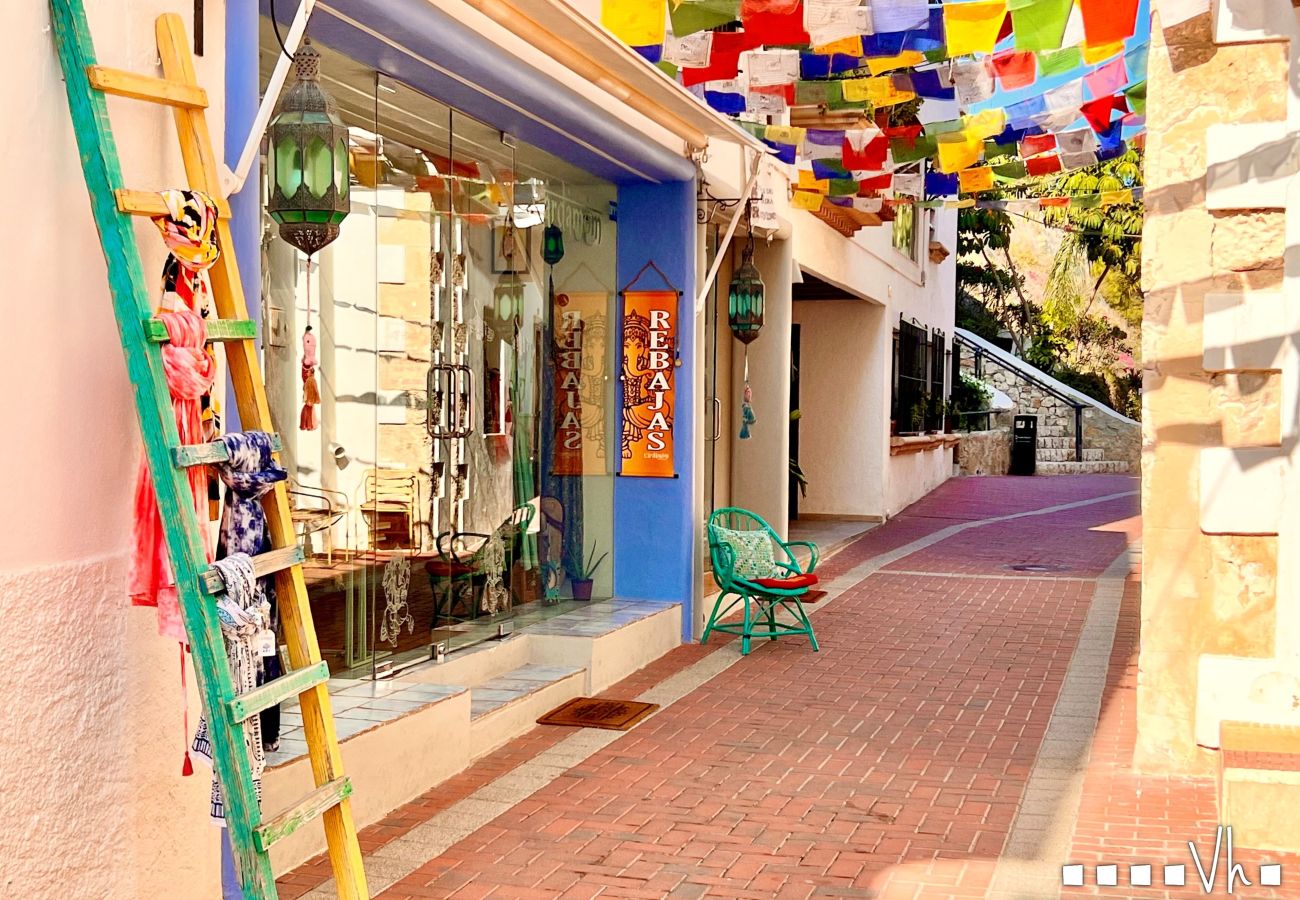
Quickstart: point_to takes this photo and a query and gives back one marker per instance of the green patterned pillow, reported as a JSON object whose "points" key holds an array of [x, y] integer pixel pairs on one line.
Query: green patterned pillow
{"points": [[753, 552]]}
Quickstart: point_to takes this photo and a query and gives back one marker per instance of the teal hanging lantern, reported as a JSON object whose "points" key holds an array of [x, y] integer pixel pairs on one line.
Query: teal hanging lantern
{"points": [[308, 150], [745, 298], [552, 244]]}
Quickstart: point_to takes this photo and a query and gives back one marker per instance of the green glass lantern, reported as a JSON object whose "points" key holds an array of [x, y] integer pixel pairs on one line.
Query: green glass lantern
{"points": [[745, 298], [552, 244], [508, 298], [308, 149]]}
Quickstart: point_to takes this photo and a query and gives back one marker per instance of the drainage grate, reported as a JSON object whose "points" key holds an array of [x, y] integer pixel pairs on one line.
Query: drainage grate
{"points": [[1037, 567]]}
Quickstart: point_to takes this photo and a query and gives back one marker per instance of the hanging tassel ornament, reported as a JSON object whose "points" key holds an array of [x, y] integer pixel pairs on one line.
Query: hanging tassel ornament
{"points": [[747, 416], [310, 389]]}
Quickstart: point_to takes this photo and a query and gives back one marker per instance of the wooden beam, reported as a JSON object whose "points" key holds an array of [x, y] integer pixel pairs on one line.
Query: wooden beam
{"points": [[245, 706], [218, 330], [122, 83], [150, 203], [263, 564], [324, 798], [188, 455]]}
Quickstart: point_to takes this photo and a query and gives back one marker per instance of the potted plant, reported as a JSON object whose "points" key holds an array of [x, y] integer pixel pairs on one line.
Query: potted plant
{"points": [[916, 415], [952, 414], [582, 579]]}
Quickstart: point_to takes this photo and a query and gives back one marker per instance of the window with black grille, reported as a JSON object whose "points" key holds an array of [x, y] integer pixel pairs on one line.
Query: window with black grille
{"points": [[910, 401], [938, 345]]}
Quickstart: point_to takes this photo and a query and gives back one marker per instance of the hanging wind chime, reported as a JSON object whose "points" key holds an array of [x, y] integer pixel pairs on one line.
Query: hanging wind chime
{"points": [[309, 187], [745, 316]]}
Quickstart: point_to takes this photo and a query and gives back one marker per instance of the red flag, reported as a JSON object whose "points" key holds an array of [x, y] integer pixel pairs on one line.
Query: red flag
{"points": [[1098, 112], [724, 58], [1055, 201], [1007, 27], [1034, 144], [868, 186], [1015, 69], [870, 159], [1108, 21], [1043, 165], [774, 22]]}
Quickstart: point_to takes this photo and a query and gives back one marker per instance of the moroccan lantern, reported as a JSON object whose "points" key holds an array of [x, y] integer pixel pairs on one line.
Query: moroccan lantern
{"points": [[745, 298], [308, 150], [552, 244]]}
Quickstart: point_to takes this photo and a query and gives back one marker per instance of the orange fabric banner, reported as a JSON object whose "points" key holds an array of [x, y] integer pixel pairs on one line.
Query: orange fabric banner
{"points": [[579, 358], [649, 377]]}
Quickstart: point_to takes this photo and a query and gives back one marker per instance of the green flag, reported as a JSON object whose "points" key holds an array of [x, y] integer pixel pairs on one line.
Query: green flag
{"points": [[905, 151], [1040, 24], [691, 16], [1137, 98], [1059, 62], [1011, 171], [843, 187]]}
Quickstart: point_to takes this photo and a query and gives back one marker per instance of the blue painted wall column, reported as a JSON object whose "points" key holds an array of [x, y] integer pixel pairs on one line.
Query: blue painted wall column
{"points": [[242, 99], [654, 527]]}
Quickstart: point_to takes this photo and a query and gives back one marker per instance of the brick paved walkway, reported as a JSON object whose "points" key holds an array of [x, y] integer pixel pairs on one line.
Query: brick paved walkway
{"points": [[891, 764]]}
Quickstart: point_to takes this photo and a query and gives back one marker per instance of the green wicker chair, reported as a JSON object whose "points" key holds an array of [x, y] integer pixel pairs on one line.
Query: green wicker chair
{"points": [[742, 547]]}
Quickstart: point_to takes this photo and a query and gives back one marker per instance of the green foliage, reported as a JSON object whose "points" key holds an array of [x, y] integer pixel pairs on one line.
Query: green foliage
{"points": [[970, 395]]}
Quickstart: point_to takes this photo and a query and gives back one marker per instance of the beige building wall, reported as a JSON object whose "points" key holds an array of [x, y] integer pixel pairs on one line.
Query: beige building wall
{"points": [[90, 755], [1204, 595]]}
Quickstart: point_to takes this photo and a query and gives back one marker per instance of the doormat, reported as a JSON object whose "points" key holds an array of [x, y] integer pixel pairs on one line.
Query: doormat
{"points": [[813, 597], [597, 712]]}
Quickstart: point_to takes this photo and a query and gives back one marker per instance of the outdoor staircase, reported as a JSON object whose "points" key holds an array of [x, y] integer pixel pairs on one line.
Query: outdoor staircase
{"points": [[1056, 454]]}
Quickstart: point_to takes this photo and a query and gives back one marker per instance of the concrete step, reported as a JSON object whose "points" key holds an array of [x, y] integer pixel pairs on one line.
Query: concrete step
{"points": [[1082, 468], [506, 707]]}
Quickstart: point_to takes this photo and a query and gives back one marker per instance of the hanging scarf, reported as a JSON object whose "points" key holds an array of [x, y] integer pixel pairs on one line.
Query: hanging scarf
{"points": [[249, 474], [188, 230]]}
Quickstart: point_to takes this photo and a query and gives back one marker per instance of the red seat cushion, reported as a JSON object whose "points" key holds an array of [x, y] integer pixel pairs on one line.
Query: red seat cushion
{"points": [[789, 583]]}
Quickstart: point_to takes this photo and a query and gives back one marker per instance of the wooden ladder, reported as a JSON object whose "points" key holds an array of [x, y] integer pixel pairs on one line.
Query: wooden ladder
{"points": [[251, 835]]}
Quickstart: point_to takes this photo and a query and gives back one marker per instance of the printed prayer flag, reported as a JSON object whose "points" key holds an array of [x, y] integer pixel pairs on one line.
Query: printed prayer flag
{"points": [[870, 156], [937, 184], [1034, 144], [637, 23], [693, 16], [986, 124], [908, 184], [1056, 120], [882, 64], [809, 182], [850, 46], [869, 204], [1137, 98], [1043, 165], [828, 169], [1013, 170], [1108, 21], [765, 102], [727, 102], [1095, 53], [877, 182], [786, 153], [959, 150], [824, 143], [1116, 198], [928, 83], [906, 150], [768, 67], [973, 80], [898, 15], [830, 20], [1108, 79], [1076, 140], [1023, 114], [774, 22], [929, 39], [785, 134], [1049, 202], [1014, 69], [1098, 112], [692, 50], [1040, 24], [843, 187], [1059, 62], [808, 200], [1080, 160], [973, 27], [724, 59], [973, 181]]}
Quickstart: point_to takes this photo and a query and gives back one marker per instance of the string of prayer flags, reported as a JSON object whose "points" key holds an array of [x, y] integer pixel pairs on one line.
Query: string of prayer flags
{"points": [[1047, 164], [1040, 24], [1015, 69], [974, 180], [693, 16], [1059, 62], [1107, 79], [637, 23], [1108, 21], [973, 27]]}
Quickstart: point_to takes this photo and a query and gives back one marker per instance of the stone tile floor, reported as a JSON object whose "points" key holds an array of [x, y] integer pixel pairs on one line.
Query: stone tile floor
{"points": [[927, 751]]}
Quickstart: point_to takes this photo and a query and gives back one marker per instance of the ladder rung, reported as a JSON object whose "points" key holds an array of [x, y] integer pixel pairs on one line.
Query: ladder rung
{"points": [[291, 684], [263, 564], [286, 823], [218, 330], [149, 203], [146, 87], [207, 454]]}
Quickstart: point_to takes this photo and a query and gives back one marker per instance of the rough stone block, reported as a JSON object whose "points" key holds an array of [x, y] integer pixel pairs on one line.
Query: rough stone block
{"points": [[1248, 165], [1250, 404], [1251, 21], [1246, 332], [1241, 490]]}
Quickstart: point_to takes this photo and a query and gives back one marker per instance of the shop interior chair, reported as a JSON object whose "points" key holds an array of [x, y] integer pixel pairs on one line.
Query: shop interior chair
{"points": [[743, 549], [389, 507], [317, 511], [459, 570]]}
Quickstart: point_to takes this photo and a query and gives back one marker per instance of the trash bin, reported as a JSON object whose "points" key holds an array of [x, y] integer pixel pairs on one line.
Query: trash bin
{"points": [[1024, 445]]}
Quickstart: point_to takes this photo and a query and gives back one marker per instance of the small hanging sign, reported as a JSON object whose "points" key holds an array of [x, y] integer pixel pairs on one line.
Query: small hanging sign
{"points": [[650, 322]]}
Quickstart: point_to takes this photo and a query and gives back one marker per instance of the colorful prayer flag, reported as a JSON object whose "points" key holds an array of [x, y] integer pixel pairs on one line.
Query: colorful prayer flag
{"points": [[898, 15], [869, 156], [829, 20], [807, 200], [1025, 112], [1095, 53], [928, 83], [1040, 24], [1034, 144], [809, 182], [1098, 112], [1108, 79], [1059, 62], [774, 21], [986, 124], [768, 67], [1116, 198], [959, 150], [1013, 170], [973, 80], [1043, 165], [1137, 98], [637, 23], [973, 181], [1014, 69], [883, 64], [693, 16], [692, 50], [938, 184], [1080, 160], [973, 27], [785, 134], [1108, 21]]}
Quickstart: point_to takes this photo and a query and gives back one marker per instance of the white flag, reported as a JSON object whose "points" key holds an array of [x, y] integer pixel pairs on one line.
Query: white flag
{"points": [[691, 51], [770, 67]]}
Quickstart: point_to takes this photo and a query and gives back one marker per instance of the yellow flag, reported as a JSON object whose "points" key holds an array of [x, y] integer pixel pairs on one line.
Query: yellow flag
{"points": [[959, 150], [964, 203], [975, 180], [785, 134], [637, 23], [1094, 55], [809, 183], [881, 64], [973, 27], [809, 200], [1116, 198], [987, 124], [879, 91], [849, 46]]}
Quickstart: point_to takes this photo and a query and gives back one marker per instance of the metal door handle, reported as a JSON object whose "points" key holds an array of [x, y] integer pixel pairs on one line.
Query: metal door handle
{"points": [[466, 424], [717, 420]]}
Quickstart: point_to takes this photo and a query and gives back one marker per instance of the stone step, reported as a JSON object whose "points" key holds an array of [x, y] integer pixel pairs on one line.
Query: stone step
{"points": [[1051, 431], [1055, 443], [505, 707], [1082, 468], [1066, 454]]}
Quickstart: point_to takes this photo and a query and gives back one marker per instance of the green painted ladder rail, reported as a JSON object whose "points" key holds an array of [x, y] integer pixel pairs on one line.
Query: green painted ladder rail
{"points": [[112, 205]]}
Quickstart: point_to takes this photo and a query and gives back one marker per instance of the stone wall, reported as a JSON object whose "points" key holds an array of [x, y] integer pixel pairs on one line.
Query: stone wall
{"points": [[1202, 594], [985, 452], [1117, 440]]}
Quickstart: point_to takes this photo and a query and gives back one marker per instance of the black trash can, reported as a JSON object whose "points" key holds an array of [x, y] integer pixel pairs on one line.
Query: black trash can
{"points": [[1024, 445]]}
